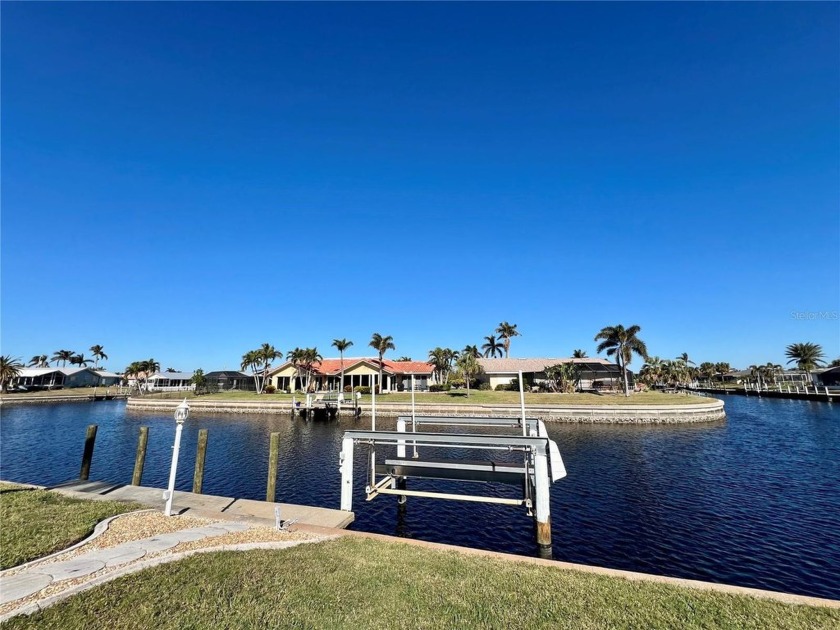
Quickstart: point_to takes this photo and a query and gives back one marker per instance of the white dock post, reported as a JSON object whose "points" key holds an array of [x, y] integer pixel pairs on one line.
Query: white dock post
{"points": [[401, 443], [522, 403], [373, 408], [413, 419], [346, 468], [543, 497]]}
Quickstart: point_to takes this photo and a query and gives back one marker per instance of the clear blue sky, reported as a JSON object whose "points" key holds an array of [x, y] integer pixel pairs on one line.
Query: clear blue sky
{"points": [[186, 181]]}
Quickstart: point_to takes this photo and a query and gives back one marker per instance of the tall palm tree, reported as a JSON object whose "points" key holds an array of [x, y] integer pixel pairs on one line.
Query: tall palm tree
{"points": [[266, 353], [506, 331], [579, 354], [492, 348], [62, 355], [251, 360], [98, 352], [9, 370], [621, 343], [381, 345], [295, 356], [341, 345], [684, 358], [807, 356], [722, 369], [39, 360], [152, 366]]}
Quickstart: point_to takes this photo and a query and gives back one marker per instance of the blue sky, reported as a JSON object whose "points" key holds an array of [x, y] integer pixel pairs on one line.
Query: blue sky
{"points": [[186, 181]]}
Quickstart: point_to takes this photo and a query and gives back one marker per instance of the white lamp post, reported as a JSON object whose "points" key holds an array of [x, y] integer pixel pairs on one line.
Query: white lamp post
{"points": [[182, 412]]}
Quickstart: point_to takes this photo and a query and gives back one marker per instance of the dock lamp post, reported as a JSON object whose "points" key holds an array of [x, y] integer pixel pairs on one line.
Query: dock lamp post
{"points": [[182, 412]]}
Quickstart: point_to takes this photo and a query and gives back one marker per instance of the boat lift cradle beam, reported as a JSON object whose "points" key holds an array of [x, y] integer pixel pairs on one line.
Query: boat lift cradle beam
{"points": [[538, 447]]}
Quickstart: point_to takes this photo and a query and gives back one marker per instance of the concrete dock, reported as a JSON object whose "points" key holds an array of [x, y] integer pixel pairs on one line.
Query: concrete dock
{"points": [[207, 505]]}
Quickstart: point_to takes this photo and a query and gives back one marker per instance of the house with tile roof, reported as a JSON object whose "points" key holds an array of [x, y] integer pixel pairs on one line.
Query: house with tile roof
{"points": [[358, 372]]}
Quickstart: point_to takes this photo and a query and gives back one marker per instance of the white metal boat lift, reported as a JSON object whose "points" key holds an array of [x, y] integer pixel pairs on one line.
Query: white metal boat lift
{"points": [[541, 463]]}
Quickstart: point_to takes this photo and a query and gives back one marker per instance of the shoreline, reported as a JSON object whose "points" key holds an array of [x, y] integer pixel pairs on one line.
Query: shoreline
{"points": [[707, 411]]}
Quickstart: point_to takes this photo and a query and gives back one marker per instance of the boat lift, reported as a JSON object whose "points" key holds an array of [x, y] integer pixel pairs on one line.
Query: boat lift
{"points": [[541, 463]]}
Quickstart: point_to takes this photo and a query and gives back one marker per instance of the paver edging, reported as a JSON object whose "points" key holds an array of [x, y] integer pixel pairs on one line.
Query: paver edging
{"points": [[36, 606], [100, 528]]}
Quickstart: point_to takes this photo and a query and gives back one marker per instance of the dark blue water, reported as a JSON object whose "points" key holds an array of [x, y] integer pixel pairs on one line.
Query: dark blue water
{"points": [[753, 501]]}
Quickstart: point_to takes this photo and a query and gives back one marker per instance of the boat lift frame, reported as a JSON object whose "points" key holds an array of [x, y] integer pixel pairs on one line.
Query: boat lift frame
{"points": [[537, 451]]}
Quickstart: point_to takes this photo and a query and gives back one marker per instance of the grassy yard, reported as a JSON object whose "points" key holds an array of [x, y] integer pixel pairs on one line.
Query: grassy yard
{"points": [[476, 397], [38, 522], [70, 391], [359, 583]]}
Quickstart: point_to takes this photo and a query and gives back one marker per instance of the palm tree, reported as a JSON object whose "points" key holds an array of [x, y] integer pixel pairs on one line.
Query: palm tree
{"points": [[441, 358], [341, 345], [62, 355], [98, 353], [807, 356], [294, 356], [9, 370], [381, 345], [266, 354], [251, 361], [39, 360], [472, 351], [707, 369], [80, 360], [834, 363], [684, 358], [470, 368], [404, 358], [506, 331], [579, 354], [492, 348], [621, 343], [152, 366], [652, 370], [308, 358], [722, 369]]}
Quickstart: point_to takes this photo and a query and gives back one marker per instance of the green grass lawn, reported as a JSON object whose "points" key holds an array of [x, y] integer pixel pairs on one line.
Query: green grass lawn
{"points": [[70, 391], [36, 523], [359, 583], [476, 397]]}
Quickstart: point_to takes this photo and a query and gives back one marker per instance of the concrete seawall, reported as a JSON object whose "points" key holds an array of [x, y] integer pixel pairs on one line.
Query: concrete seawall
{"points": [[711, 411]]}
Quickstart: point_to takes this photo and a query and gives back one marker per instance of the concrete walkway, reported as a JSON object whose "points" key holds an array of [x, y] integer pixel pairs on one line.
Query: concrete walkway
{"points": [[44, 573], [207, 505]]}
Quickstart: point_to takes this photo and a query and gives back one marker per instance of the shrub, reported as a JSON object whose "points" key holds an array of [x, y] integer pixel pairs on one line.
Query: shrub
{"points": [[362, 390], [439, 388], [502, 387], [269, 389], [484, 387], [348, 389]]}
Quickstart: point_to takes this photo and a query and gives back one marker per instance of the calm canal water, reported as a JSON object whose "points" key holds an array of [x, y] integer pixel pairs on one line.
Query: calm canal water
{"points": [[753, 501]]}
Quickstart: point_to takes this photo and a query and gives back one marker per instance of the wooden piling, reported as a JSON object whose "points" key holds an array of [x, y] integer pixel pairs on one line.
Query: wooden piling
{"points": [[140, 457], [201, 453], [87, 456], [273, 456]]}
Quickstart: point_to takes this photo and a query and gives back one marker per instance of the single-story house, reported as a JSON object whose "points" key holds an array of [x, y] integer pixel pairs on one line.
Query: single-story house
{"points": [[828, 377], [108, 379], [170, 382], [594, 372], [230, 379], [358, 372], [56, 377]]}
